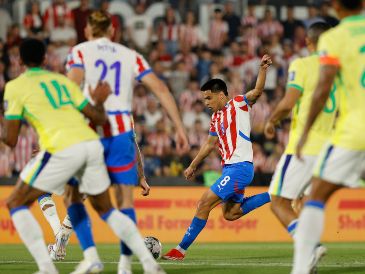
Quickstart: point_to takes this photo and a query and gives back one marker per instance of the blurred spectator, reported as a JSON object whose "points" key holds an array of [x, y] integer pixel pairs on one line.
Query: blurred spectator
{"points": [[2, 79], [251, 38], [63, 37], [218, 32], [259, 114], [203, 65], [53, 61], [258, 157], [189, 58], [233, 21], [197, 113], [168, 31], [300, 41], [269, 26], [27, 141], [5, 23], [178, 78], [325, 13], [160, 54], [6, 161], [190, 34], [140, 100], [140, 29], [14, 69], [197, 134], [33, 21], [313, 15], [290, 23], [250, 18], [80, 16], [152, 114], [214, 72], [117, 26], [190, 96], [58, 9], [13, 37]]}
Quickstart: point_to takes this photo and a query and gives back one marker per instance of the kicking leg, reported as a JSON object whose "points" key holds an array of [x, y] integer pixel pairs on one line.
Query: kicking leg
{"points": [[49, 211], [310, 225], [29, 230], [125, 203], [207, 202]]}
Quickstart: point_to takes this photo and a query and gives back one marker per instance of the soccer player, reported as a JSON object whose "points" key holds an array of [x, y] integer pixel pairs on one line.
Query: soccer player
{"points": [[230, 128], [101, 59], [341, 162], [52, 104], [292, 175]]}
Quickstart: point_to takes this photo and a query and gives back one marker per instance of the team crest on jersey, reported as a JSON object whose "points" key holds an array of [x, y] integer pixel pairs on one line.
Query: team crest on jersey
{"points": [[291, 76], [223, 129], [5, 105]]}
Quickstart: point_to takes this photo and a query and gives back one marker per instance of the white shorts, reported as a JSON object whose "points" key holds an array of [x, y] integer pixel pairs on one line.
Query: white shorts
{"points": [[50, 172], [340, 166], [292, 176]]}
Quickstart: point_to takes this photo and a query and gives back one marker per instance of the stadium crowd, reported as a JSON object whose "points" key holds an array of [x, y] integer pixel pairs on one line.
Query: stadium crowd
{"points": [[184, 57]]}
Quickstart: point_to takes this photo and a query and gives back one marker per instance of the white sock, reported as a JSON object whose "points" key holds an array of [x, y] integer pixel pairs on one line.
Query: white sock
{"points": [[50, 213], [127, 231], [307, 236], [31, 234], [67, 226], [181, 249], [125, 262], [292, 227], [91, 254]]}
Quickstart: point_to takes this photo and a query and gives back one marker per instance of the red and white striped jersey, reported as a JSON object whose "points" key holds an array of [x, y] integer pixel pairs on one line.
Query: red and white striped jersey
{"points": [[118, 65], [232, 127]]}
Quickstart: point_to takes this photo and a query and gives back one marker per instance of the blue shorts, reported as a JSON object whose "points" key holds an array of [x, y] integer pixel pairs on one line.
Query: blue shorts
{"points": [[235, 178], [120, 158]]}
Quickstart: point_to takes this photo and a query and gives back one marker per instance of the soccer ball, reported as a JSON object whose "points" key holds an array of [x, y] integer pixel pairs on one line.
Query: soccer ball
{"points": [[154, 246]]}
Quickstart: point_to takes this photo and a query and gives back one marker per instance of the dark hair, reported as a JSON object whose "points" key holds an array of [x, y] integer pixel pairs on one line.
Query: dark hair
{"points": [[215, 86], [32, 52], [316, 29], [351, 4]]}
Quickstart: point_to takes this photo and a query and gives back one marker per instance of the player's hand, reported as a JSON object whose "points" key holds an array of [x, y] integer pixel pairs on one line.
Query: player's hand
{"points": [[189, 172], [266, 61], [182, 144], [269, 130], [145, 186], [100, 93], [300, 145]]}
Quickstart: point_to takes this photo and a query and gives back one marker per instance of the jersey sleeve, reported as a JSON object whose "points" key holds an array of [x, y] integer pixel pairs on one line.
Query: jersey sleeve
{"points": [[296, 75], [75, 58], [77, 97], [241, 102], [212, 130], [329, 49], [141, 67], [13, 104]]}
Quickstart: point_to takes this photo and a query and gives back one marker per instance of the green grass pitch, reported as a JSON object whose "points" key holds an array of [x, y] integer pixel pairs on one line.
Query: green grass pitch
{"points": [[247, 258]]}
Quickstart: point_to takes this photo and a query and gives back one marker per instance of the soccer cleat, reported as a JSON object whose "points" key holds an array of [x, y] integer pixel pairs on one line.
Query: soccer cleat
{"points": [[319, 253], [52, 253], [86, 267], [45, 272], [174, 255], [124, 271], [157, 270], [62, 239]]}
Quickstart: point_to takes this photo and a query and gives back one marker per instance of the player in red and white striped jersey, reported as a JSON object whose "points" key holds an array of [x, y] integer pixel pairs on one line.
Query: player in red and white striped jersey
{"points": [[230, 128], [99, 59]]}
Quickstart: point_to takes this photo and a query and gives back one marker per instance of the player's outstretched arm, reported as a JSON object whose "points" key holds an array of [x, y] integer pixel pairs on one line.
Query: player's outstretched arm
{"points": [[140, 169], [327, 74], [168, 103], [281, 111], [254, 94], [204, 151], [96, 113]]}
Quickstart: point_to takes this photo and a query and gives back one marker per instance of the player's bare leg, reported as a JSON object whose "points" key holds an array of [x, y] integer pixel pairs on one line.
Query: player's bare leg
{"points": [[27, 227], [283, 210], [310, 225], [207, 202], [125, 203], [122, 226]]}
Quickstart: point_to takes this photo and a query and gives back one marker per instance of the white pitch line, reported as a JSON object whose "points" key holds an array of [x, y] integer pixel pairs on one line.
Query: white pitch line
{"points": [[350, 264]]}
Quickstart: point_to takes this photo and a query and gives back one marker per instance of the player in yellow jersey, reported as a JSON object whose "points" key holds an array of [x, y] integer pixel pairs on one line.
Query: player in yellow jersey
{"points": [[52, 104], [293, 175], [341, 162]]}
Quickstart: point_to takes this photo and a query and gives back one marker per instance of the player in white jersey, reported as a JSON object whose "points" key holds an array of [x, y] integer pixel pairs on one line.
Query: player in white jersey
{"points": [[101, 59], [230, 128]]}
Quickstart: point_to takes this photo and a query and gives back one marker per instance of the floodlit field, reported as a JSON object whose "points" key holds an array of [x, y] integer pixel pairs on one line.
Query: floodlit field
{"points": [[205, 258]]}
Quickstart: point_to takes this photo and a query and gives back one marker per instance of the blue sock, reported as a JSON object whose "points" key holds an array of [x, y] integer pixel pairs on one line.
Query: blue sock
{"points": [[253, 202], [81, 224], [292, 227], [193, 231], [131, 213]]}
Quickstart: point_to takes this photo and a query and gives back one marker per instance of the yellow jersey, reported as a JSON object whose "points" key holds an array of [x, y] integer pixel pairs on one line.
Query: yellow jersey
{"points": [[51, 103], [303, 75], [344, 46]]}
